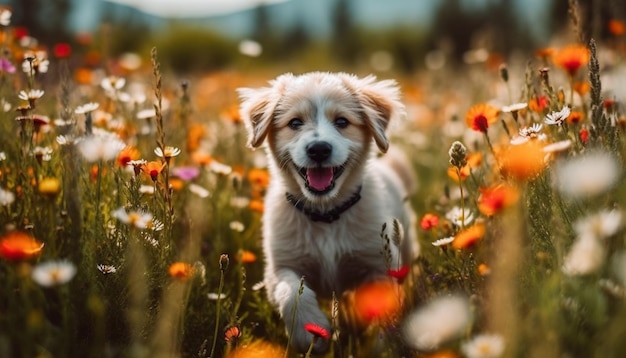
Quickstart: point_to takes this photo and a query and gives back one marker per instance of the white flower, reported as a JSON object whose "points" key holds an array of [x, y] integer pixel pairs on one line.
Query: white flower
{"points": [[167, 152], [106, 269], [6, 197], [3, 156], [528, 133], [86, 108], [53, 273], [198, 190], [514, 107], [146, 113], [5, 16], [460, 217], [138, 219], [239, 202], [219, 168], [112, 83], [557, 118], [444, 241], [440, 320], [600, 225], [103, 146], [585, 257], [559, 146], [587, 175], [236, 226], [146, 189], [155, 225], [45, 153], [31, 95], [214, 296], [484, 346], [250, 48]]}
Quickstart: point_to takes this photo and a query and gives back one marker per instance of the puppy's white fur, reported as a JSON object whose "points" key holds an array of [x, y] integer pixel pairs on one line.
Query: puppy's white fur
{"points": [[350, 114]]}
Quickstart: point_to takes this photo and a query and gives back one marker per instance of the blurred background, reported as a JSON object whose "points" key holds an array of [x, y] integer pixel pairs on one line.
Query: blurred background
{"points": [[298, 35]]}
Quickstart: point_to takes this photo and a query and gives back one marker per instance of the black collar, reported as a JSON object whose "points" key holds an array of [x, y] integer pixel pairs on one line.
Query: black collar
{"points": [[328, 216]]}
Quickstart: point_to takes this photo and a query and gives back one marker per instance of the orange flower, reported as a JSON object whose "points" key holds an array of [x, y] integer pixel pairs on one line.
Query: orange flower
{"points": [[18, 245], [469, 236], [232, 333], [256, 205], [379, 301], [483, 270], [617, 27], [480, 116], [180, 270], [49, 186], [201, 158], [582, 87], [523, 161], [260, 178], [232, 115], [538, 104], [194, 136], [494, 199], [247, 257], [545, 53], [126, 155], [443, 354], [459, 176], [572, 58], [153, 169], [257, 349], [575, 117], [429, 221]]}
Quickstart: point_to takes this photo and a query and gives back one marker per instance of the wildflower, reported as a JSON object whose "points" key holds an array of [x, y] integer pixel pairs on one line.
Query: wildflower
{"points": [[484, 270], [62, 50], [6, 66], [443, 242], [572, 58], [199, 190], [458, 155], [6, 197], [186, 173], [256, 205], [49, 187], [484, 346], [257, 349], [429, 221], [399, 274], [583, 134], [236, 226], [469, 236], [137, 165], [616, 27], [259, 177], [180, 270], [247, 257], [480, 116], [112, 84], [155, 225], [146, 113], [528, 133], [219, 168], [232, 333], [317, 330], [106, 269], [460, 217], [153, 169], [42, 154], [167, 152], [378, 301], [516, 107], [36, 62], [538, 104], [18, 245], [138, 219], [5, 16], [127, 155], [176, 184], [458, 175], [575, 117], [587, 175], [585, 257], [250, 48], [440, 320], [194, 136], [224, 262], [557, 118], [523, 161], [494, 199], [103, 147], [53, 273], [600, 225], [214, 296], [31, 96], [556, 147], [86, 108]]}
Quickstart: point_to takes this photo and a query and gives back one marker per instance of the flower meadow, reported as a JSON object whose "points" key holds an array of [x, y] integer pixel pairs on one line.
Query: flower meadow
{"points": [[130, 211]]}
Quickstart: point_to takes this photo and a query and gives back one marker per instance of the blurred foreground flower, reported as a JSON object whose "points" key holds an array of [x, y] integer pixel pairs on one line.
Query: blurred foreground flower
{"points": [[138, 219], [484, 346], [429, 221], [18, 245], [522, 162], [181, 270], [103, 147], [469, 236], [496, 198], [441, 320], [600, 225], [572, 58], [586, 256], [379, 301], [257, 349], [6, 197], [49, 187], [587, 175], [53, 273]]}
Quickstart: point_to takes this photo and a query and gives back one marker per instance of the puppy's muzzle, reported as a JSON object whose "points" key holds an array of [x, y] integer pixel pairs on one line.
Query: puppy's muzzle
{"points": [[319, 151]]}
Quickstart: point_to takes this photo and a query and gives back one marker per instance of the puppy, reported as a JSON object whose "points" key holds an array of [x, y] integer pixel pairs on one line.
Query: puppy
{"points": [[329, 195]]}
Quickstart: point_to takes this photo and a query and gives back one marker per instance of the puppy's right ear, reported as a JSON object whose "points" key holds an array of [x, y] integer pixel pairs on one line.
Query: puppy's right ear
{"points": [[257, 109]]}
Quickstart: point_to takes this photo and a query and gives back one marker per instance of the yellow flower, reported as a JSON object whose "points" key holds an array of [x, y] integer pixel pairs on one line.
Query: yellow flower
{"points": [[49, 186]]}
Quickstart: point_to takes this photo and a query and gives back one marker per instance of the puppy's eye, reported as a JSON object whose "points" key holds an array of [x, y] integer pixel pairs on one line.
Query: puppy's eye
{"points": [[295, 123], [341, 122]]}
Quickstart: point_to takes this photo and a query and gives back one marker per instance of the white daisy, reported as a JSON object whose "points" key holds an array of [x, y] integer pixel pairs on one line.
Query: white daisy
{"points": [[236, 226], [219, 168], [86, 108], [444, 241], [53, 273], [112, 83], [559, 146], [199, 190], [514, 107], [442, 319], [138, 219], [585, 257], [167, 152], [460, 217], [106, 269], [6, 197], [100, 146], [557, 118], [600, 225], [587, 175], [484, 346], [31, 95], [146, 113]]}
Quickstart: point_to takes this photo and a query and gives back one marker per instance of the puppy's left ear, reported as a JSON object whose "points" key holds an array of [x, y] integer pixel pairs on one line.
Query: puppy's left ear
{"points": [[381, 101]]}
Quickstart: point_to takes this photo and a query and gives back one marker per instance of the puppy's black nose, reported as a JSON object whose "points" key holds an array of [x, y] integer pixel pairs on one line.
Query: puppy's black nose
{"points": [[319, 151]]}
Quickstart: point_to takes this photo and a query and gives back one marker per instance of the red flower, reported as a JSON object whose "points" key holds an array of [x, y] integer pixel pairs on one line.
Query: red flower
{"points": [[429, 221], [400, 273], [480, 116], [232, 333], [18, 245], [62, 50], [317, 330], [584, 135]]}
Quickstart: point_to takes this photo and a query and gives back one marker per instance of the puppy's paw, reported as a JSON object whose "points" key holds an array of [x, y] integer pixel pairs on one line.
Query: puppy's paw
{"points": [[301, 338]]}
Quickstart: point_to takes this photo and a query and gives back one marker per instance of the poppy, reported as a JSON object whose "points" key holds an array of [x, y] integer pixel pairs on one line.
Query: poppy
{"points": [[480, 116], [18, 245]]}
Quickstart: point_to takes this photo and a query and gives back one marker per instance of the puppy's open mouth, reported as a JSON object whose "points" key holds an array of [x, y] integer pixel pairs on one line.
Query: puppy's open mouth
{"points": [[320, 180]]}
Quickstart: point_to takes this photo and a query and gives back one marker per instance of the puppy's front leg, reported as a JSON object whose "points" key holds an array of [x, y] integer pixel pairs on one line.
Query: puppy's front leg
{"points": [[285, 295]]}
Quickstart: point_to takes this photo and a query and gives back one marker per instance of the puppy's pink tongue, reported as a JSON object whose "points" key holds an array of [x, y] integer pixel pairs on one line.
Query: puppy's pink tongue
{"points": [[319, 178]]}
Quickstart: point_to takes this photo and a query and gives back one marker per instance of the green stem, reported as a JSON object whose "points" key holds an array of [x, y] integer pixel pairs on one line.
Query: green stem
{"points": [[293, 315], [458, 173], [217, 312], [310, 351]]}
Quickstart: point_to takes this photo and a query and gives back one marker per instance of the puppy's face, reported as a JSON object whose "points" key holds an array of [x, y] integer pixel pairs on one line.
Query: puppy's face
{"points": [[319, 127]]}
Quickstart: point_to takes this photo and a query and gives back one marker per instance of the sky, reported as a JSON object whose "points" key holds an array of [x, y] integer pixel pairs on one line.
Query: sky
{"points": [[179, 8]]}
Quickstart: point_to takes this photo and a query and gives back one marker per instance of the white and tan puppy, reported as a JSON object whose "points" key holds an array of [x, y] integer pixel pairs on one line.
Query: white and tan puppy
{"points": [[329, 195]]}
